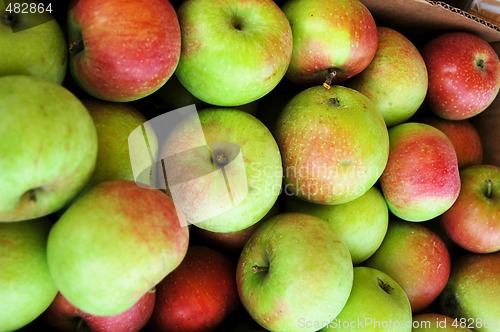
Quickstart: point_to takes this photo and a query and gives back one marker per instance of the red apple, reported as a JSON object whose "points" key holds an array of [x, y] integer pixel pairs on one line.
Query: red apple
{"points": [[464, 75], [464, 137], [122, 50], [198, 295], [473, 221], [63, 316]]}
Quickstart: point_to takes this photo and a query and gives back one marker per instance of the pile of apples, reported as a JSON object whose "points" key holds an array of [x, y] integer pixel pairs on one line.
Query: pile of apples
{"points": [[242, 165]]}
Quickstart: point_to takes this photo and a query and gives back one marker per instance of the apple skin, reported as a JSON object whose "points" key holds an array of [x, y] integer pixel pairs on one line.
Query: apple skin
{"points": [[464, 75], [39, 51], [122, 51], [27, 286], [48, 144], [198, 295], [472, 293], [334, 144], [434, 322], [397, 63], [473, 221], [416, 258], [464, 137], [288, 254], [62, 316], [375, 300], [251, 61], [339, 36], [362, 222], [421, 179], [113, 245]]}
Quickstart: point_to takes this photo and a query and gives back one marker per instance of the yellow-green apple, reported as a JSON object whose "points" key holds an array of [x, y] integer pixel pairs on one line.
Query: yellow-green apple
{"points": [[332, 40], [62, 316], [376, 303], [122, 50], [113, 245], [472, 294], [223, 169], [421, 179], [198, 295], [334, 144], [464, 74], [473, 221], [33, 44], [416, 258], [397, 63], [435, 322], [464, 137], [361, 223], [48, 144], [294, 267], [233, 51], [27, 286]]}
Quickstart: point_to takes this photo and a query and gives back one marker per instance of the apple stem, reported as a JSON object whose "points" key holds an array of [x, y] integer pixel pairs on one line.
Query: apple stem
{"points": [[76, 46], [78, 324], [329, 78], [488, 188], [32, 195], [257, 268]]}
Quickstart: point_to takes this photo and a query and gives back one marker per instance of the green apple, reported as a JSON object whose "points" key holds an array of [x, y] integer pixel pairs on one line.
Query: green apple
{"points": [[27, 286], [113, 245], [48, 144], [294, 267], [32, 44], [234, 51], [334, 144], [397, 63], [472, 294], [362, 222], [376, 303], [434, 322], [223, 169], [416, 258]]}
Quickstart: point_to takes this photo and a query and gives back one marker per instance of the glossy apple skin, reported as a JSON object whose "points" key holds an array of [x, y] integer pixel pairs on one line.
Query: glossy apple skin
{"points": [[416, 258], [473, 221], [464, 75], [397, 63], [233, 52], [434, 322], [464, 137], [421, 179], [130, 48], [302, 246], [473, 291], [62, 316], [198, 295], [329, 35], [334, 144]]}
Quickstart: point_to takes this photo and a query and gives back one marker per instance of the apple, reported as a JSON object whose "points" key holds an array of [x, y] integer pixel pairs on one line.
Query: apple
{"points": [[122, 51], [464, 74], [48, 144], [332, 40], [223, 169], [27, 286], [421, 179], [416, 258], [32, 44], [376, 303], [361, 223], [473, 221], [113, 245], [63, 316], [434, 322], [233, 52], [198, 295], [294, 267], [334, 144], [397, 63], [463, 135], [472, 294]]}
